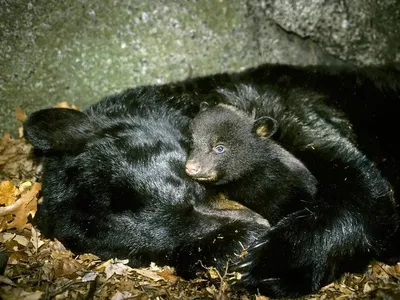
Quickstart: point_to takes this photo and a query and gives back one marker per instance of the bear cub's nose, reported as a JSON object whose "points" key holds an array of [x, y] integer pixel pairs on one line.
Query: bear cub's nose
{"points": [[192, 168]]}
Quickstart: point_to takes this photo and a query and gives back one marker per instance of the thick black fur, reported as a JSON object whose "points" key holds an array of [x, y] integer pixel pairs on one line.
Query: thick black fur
{"points": [[234, 152], [114, 184], [338, 122]]}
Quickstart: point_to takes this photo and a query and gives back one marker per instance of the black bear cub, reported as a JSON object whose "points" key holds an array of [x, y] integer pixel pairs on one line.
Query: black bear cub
{"points": [[234, 150]]}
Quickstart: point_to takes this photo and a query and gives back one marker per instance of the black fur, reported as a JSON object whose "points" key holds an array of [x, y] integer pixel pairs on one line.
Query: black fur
{"points": [[234, 151], [114, 184], [338, 122]]}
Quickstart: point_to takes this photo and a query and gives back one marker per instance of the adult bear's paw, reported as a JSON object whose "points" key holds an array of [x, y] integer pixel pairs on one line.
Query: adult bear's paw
{"points": [[303, 252]]}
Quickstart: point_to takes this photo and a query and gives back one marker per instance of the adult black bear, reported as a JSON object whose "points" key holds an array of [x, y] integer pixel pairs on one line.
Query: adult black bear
{"points": [[338, 122], [114, 184], [234, 152]]}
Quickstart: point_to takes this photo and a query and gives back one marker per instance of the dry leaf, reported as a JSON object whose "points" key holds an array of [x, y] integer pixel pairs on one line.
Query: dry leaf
{"points": [[149, 274], [258, 297], [21, 132], [213, 273], [367, 288], [4, 222], [24, 186], [17, 293], [212, 290], [117, 267], [168, 274], [14, 159], [30, 295], [36, 242], [104, 265], [20, 239], [6, 236], [66, 267], [61, 254], [15, 257], [47, 272], [120, 296], [6, 280], [90, 276], [8, 193], [57, 245], [154, 267], [20, 210], [89, 257], [20, 115], [397, 268], [64, 104]]}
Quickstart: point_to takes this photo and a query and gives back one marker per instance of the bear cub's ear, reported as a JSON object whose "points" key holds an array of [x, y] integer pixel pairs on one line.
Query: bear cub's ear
{"points": [[265, 127], [58, 129]]}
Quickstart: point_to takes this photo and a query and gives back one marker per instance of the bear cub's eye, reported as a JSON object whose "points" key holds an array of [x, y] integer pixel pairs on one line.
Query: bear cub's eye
{"points": [[219, 149]]}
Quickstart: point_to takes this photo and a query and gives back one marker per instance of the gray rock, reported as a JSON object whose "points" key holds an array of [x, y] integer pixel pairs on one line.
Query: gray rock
{"points": [[80, 51]]}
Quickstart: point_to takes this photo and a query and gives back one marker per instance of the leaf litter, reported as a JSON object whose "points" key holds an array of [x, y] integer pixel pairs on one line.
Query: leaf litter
{"points": [[39, 268]]}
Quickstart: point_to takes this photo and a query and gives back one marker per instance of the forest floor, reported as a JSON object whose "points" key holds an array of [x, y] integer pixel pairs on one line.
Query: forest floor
{"points": [[39, 268]]}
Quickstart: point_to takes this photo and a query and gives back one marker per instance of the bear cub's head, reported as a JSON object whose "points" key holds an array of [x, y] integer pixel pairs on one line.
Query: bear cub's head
{"points": [[227, 143]]}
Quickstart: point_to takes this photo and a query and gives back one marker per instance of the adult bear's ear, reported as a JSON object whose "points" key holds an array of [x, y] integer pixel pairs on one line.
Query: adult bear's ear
{"points": [[58, 129], [204, 106], [265, 127]]}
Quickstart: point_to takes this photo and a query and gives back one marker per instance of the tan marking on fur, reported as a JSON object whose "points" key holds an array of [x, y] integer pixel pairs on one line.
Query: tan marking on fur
{"points": [[222, 203]]}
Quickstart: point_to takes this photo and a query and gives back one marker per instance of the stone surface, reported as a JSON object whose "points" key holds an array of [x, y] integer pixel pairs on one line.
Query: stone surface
{"points": [[363, 32], [80, 51]]}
